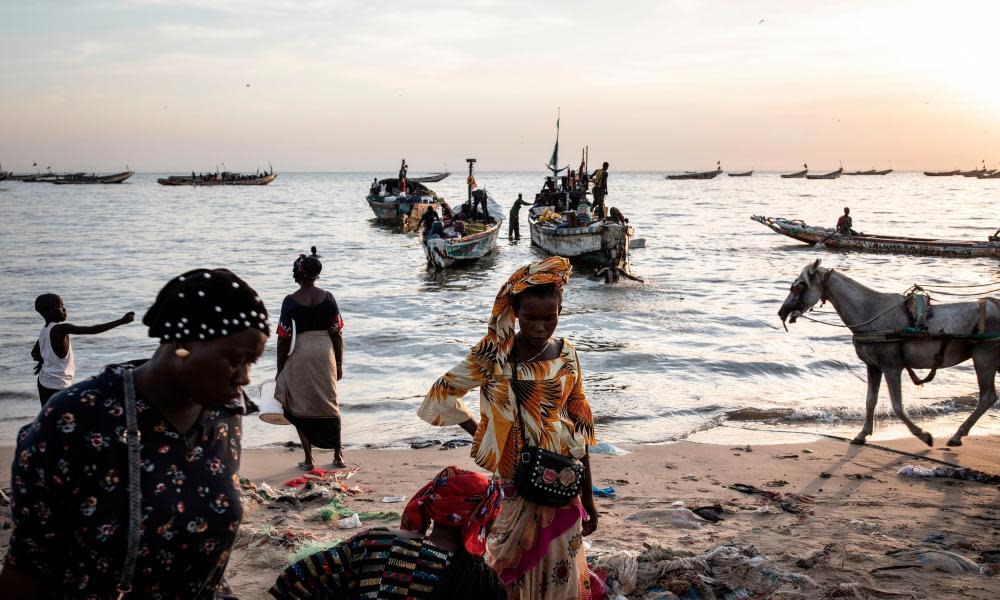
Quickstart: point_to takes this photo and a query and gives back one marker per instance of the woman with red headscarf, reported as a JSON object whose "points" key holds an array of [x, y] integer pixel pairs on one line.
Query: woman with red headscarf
{"points": [[410, 563]]}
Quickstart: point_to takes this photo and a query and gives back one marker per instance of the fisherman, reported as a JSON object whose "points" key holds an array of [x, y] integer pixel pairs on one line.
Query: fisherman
{"points": [[402, 178], [845, 223], [479, 203], [514, 229], [374, 189], [600, 179], [428, 219]]}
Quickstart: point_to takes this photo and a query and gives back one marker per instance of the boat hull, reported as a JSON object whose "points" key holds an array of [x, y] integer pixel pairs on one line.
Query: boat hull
{"points": [[188, 181], [798, 230], [443, 254], [702, 175], [831, 175], [394, 211], [599, 245], [796, 175], [743, 174], [94, 179], [941, 173]]}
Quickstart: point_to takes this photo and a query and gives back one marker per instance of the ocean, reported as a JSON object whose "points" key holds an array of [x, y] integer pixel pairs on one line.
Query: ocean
{"points": [[696, 349]]}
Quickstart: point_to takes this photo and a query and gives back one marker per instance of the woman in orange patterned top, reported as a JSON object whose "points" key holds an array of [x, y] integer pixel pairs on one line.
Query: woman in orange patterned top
{"points": [[536, 549]]}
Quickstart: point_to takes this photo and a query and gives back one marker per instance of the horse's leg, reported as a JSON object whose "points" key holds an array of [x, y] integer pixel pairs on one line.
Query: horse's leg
{"points": [[874, 383], [892, 381], [986, 363]]}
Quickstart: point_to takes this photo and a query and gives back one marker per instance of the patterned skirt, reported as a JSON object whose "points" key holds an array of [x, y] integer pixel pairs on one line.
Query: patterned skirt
{"points": [[538, 550]]}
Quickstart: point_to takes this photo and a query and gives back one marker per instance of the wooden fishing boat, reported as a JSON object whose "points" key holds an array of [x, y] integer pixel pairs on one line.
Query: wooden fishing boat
{"points": [[989, 175], [448, 249], [698, 174], [215, 179], [598, 243], [973, 173], [393, 208], [798, 174], [741, 173], [830, 175], [882, 172], [432, 178], [829, 237], [81, 179], [941, 173]]}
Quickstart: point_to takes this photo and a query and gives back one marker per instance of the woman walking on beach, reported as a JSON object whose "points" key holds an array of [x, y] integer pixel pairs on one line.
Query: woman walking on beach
{"points": [[128, 481], [310, 362], [531, 396], [409, 562]]}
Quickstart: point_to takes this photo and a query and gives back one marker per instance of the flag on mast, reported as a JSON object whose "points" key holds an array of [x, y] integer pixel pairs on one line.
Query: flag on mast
{"points": [[554, 161]]}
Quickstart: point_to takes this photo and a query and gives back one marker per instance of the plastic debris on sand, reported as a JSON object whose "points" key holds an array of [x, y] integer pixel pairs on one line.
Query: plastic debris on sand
{"points": [[949, 472]]}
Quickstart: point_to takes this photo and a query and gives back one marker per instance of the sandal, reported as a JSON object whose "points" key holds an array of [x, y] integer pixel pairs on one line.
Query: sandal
{"points": [[339, 464], [305, 466]]}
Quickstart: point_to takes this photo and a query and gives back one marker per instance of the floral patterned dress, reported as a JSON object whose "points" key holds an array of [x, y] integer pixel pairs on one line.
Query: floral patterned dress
{"points": [[70, 496], [537, 550]]}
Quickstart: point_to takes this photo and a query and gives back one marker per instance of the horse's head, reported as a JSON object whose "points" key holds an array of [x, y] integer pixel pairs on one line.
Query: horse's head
{"points": [[806, 291]]}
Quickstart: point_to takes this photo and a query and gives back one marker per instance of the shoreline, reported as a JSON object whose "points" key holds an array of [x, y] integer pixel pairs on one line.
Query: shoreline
{"points": [[859, 508]]}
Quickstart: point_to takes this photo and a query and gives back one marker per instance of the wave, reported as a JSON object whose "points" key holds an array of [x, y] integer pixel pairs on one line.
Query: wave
{"points": [[849, 414], [14, 395]]}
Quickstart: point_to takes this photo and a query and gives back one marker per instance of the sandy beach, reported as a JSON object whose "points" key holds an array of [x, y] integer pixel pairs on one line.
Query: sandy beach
{"points": [[838, 512]]}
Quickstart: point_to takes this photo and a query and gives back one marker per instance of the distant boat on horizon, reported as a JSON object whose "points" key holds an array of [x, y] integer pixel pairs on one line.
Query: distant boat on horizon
{"points": [[698, 174], [741, 173], [798, 174], [942, 173], [830, 175]]}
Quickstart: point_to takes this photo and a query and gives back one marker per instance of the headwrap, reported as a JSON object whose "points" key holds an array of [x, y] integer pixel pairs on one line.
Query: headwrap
{"points": [[307, 267], [204, 304], [499, 339], [456, 498]]}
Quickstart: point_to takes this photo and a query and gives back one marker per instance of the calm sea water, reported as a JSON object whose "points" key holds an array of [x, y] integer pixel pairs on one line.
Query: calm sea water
{"points": [[699, 341]]}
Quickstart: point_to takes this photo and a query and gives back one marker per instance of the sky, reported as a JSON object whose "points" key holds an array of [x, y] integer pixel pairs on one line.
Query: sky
{"points": [[344, 85]]}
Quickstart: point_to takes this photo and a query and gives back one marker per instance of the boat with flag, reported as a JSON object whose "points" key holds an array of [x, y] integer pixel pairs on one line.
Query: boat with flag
{"points": [[812, 235], [562, 224], [450, 243]]}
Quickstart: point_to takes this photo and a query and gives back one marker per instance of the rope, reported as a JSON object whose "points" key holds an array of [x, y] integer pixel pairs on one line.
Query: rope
{"points": [[964, 294], [871, 320], [848, 440], [947, 285]]}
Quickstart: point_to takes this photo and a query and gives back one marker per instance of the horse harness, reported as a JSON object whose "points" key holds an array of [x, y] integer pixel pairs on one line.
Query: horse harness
{"points": [[918, 308]]}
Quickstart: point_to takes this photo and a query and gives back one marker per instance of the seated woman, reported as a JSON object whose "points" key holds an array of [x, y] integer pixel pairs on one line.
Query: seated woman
{"points": [[383, 563], [127, 481]]}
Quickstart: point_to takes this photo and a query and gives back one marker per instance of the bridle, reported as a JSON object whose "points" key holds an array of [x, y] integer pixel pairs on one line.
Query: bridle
{"points": [[823, 296]]}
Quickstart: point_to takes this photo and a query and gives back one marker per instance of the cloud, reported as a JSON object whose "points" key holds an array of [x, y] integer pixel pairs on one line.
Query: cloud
{"points": [[198, 32]]}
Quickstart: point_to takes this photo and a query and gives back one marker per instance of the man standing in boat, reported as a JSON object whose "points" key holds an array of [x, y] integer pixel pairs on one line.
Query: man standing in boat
{"points": [[402, 178], [600, 179], [845, 223], [514, 229]]}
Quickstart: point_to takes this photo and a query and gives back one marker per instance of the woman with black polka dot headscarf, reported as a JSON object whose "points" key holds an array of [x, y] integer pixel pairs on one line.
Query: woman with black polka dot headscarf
{"points": [[81, 518]]}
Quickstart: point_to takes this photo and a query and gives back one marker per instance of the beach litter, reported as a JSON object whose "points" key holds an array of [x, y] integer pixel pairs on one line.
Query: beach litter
{"points": [[606, 448], [456, 443], [712, 514], [948, 472], [393, 499], [424, 444], [797, 504], [336, 510], [726, 572], [351, 522], [678, 517], [935, 558], [608, 492]]}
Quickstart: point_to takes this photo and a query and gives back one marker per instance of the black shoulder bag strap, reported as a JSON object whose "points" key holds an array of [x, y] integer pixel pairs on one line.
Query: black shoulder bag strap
{"points": [[134, 487]]}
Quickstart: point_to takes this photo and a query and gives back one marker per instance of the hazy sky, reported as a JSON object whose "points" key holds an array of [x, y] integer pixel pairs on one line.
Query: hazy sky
{"points": [[346, 85]]}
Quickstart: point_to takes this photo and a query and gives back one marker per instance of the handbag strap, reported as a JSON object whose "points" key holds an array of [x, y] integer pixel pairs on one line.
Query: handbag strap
{"points": [[134, 488]]}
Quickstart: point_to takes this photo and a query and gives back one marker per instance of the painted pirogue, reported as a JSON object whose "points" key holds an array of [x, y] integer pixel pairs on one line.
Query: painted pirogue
{"points": [[224, 178], [829, 237]]}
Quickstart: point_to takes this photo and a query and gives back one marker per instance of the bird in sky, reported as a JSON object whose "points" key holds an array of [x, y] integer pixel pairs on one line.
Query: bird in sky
{"points": [[761, 21]]}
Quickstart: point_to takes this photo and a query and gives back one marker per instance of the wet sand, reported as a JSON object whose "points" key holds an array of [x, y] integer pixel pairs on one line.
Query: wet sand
{"points": [[860, 509]]}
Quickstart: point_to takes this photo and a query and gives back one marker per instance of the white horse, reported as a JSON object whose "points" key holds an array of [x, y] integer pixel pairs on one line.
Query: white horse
{"points": [[951, 329]]}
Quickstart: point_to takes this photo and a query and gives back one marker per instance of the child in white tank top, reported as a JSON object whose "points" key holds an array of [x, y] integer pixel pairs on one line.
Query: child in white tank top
{"points": [[54, 351]]}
